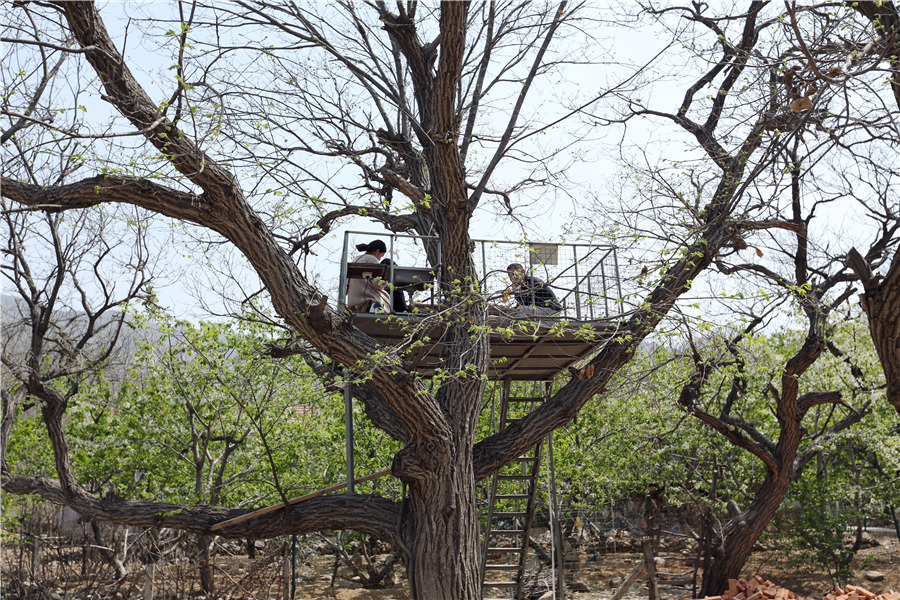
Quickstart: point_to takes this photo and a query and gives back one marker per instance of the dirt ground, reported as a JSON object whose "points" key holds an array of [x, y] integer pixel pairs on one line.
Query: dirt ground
{"points": [[772, 564], [603, 573], [591, 575]]}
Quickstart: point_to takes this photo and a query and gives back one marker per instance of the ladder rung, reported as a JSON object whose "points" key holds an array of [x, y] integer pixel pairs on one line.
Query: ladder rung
{"points": [[522, 467], [500, 583], [491, 550], [501, 567], [525, 399], [507, 531], [515, 477], [513, 496], [510, 514]]}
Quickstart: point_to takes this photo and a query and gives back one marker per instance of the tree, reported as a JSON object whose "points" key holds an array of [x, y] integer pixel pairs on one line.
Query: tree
{"points": [[208, 419], [63, 326], [641, 437], [408, 115], [791, 260], [880, 300]]}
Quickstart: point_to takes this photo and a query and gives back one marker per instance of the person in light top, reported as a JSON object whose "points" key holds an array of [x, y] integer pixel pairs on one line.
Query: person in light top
{"points": [[369, 295]]}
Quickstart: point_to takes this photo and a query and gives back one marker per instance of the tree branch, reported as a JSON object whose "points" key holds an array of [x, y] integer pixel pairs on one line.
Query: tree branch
{"points": [[107, 188], [514, 115], [734, 435], [370, 515], [807, 401]]}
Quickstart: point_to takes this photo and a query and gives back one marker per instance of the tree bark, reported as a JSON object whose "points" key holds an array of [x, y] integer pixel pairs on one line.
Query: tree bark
{"points": [[443, 535], [115, 558], [205, 556], [881, 302], [730, 556]]}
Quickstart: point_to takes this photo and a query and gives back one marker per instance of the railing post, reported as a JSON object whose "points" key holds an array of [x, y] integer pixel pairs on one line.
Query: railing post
{"points": [[149, 572], [342, 281], [348, 434]]}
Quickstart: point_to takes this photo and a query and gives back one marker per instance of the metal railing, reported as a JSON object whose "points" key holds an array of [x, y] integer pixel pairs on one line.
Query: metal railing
{"points": [[584, 277]]}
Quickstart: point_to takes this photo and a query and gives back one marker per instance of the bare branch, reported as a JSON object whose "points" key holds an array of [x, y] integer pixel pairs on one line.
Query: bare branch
{"points": [[366, 514]]}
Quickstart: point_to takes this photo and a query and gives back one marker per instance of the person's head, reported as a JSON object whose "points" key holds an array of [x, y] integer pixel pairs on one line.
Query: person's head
{"points": [[516, 272], [376, 248]]}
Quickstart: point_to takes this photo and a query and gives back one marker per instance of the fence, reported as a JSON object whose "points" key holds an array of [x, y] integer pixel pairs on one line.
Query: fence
{"points": [[584, 277]]}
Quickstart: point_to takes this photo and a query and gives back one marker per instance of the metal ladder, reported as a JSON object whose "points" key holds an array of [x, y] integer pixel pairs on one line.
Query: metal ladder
{"points": [[511, 506]]}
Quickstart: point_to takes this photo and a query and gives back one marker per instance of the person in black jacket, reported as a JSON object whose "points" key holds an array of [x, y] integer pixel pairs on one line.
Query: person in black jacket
{"points": [[533, 296], [398, 298]]}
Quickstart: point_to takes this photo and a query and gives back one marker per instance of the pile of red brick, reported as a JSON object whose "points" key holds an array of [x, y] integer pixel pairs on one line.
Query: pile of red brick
{"points": [[756, 588], [855, 592]]}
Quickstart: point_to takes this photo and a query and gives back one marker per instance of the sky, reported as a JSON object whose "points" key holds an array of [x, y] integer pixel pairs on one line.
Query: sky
{"points": [[548, 221], [196, 274]]}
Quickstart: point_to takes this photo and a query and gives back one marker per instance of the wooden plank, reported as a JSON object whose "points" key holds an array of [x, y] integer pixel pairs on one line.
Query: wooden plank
{"points": [[266, 510], [538, 355], [629, 581], [650, 566]]}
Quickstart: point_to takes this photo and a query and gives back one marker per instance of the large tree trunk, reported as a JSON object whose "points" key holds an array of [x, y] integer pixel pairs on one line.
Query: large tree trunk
{"points": [[882, 305], [443, 535], [442, 528], [731, 554], [881, 301]]}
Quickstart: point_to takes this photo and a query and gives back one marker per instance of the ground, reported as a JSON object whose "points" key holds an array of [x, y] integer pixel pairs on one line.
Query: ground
{"points": [[598, 573]]}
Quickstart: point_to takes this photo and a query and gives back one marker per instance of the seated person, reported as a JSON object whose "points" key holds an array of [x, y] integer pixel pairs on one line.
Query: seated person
{"points": [[369, 295], [533, 296], [398, 298]]}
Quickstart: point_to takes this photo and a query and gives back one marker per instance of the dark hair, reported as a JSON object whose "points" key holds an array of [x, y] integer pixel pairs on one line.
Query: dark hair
{"points": [[372, 246], [515, 267]]}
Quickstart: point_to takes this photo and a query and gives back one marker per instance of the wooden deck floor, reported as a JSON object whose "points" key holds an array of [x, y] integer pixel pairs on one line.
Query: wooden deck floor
{"points": [[522, 350]]}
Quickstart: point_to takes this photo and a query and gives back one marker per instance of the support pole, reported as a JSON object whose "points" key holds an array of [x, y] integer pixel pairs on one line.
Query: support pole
{"points": [[555, 528], [348, 434], [149, 571], [286, 575], [293, 567], [650, 566]]}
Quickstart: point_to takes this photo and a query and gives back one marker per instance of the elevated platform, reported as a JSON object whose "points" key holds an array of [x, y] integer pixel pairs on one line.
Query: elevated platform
{"points": [[521, 350], [584, 278]]}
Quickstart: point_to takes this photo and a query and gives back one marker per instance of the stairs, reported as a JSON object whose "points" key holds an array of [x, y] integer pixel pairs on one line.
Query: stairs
{"points": [[511, 506]]}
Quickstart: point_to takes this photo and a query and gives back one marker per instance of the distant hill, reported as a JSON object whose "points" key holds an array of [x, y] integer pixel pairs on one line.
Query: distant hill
{"points": [[67, 330]]}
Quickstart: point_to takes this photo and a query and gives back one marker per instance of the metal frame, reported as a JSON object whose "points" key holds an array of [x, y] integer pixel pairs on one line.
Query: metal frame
{"points": [[588, 262], [517, 353]]}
